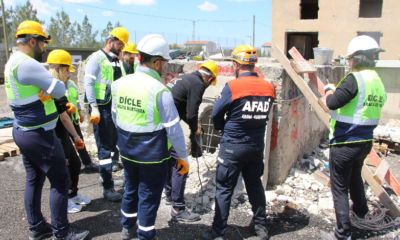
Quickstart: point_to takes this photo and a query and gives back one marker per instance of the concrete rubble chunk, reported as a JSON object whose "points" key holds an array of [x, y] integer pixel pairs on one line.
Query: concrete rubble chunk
{"points": [[315, 187], [282, 198], [270, 196], [325, 203], [279, 190], [313, 209]]}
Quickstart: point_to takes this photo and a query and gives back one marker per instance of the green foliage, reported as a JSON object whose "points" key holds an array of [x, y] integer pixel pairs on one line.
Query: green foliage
{"points": [[84, 36], [61, 30], [173, 46], [7, 25]]}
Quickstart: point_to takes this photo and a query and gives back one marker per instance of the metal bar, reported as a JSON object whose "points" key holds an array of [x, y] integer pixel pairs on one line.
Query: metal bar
{"points": [[4, 30]]}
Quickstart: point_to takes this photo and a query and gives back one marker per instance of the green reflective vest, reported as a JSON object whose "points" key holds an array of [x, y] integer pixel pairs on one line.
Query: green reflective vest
{"points": [[105, 77], [72, 95], [19, 96], [362, 111]]}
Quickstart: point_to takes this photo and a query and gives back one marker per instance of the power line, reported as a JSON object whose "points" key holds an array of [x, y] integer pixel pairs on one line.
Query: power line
{"points": [[263, 24]]}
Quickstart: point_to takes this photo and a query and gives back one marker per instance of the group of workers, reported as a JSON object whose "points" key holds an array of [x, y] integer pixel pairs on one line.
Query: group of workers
{"points": [[137, 119]]}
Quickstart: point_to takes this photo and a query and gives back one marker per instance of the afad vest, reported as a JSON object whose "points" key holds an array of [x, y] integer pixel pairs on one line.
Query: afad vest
{"points": [[102, 84], [72, 95], [28, 110], [356, 121], [142, 137]]}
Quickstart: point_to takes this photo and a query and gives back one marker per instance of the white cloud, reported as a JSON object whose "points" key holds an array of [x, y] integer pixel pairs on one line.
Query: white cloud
{"points": [[207, 6], [107, 13], [137, 2], [82, 1], [43, 8], [221, 30], [79, 10]]}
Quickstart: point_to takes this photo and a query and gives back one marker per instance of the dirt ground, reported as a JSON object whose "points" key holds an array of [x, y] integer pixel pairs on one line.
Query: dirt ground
{"points": [[102, 218]]}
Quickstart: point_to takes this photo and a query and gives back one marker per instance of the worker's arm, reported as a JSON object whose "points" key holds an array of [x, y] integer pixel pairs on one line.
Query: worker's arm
{"points": [[221, 107], [31, 72], [170, 120], [91, 71], [194, 98], [65, 119], [343, 94]]}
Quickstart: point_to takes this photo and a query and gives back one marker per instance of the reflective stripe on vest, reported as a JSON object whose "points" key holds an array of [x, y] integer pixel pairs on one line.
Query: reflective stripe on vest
{"points": [[139, 115], [72, 95]]}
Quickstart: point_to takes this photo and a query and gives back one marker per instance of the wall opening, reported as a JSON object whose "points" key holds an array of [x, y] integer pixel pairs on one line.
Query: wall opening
{"points": [[375, 35], [303, 41], [309, 9], [211, 137], [370, 8]]}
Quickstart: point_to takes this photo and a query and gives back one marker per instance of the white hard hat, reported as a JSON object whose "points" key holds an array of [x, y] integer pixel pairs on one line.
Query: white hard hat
{"points": [[154, 45], [362, 43]]}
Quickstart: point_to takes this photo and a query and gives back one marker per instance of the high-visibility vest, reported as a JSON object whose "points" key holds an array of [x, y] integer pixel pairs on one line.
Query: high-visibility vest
{"points": [[142, 137], [355, 121], [28, 110], [72, 95], [105, 78]]}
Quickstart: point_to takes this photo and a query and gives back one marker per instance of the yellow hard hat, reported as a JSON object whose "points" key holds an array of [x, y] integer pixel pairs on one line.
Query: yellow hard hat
{"points": [[61, 57], [131, 48], [120, 33], [210, 65], [32, 28], [244, 54]]}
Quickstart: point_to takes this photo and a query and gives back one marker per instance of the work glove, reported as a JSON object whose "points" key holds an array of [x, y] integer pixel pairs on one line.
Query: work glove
{"points": [[71, 108], [183, 166], [79, 144], [196, 139], [330, 87], [95, 116], [44, 96], [81, 118]]}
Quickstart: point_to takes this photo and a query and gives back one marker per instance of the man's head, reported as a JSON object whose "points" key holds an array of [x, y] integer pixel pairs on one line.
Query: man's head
{"points": [[129, 54], [116, 40], [209, 71], [244, 58], [32, 38], [153, 52]]}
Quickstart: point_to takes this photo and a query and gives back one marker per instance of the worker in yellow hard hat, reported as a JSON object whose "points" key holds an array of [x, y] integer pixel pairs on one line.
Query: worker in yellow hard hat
{"points": [[102, 69], [30, 89], [187, 91], [129, 55], [246, 102]]}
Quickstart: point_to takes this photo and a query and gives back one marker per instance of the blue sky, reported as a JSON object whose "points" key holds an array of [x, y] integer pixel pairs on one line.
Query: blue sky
{"points": [[225, 33]]}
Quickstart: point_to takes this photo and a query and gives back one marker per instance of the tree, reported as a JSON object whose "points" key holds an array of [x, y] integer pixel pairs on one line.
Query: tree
{"points": [[106, 32], [84, 36], [117, 24], [173, 46], [7, 25], [61, 30]]}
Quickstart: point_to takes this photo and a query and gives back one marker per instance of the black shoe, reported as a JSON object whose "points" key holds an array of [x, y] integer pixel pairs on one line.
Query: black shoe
{"points": [[127, 234], [74, 234], [91, 168], [210, 234], [168, 201], [45, 232], [117, 183], [261, 231], [184, 215]]}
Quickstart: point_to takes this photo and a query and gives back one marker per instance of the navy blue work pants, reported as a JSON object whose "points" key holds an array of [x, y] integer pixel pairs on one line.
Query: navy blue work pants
{"points": [[106, 137], [233, 159], [43, 156], [143, 189], [175, 184]]}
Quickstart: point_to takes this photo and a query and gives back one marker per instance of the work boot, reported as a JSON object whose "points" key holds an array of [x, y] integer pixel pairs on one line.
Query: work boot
{"points": [[210, 234], [91, 168], [74, 234], [128, 233], [184, 216], [115, 165], [357, 217], [261, 231], [111, 195], [117, 183], [331, 236], [168, 200], [45, 232]]}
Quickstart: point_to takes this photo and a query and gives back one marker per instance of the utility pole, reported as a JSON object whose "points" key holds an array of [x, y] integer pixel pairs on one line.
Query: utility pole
{"points": [[135, 37], [4, 29], [194, 31], [254, 28]]}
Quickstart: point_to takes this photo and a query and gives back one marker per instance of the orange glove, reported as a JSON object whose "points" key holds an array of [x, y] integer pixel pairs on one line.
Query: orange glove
{"points": [[95, 116], [198, 130], [183, 165], [44, 96], [71, 108], [79, 144], [81, 118]]}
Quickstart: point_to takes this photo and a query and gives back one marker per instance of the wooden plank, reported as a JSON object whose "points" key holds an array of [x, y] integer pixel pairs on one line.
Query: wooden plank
{"points": [[303, 67], [301, 84], [322, 178], [381, 171], [13, 146], [11, 152], [4, 152], [322, 103], [390, 179], [267, 148], [1, 157], [312, 76], [380, 192]]}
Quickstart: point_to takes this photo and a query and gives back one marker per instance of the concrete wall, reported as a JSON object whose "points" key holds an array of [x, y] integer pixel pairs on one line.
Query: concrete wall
{"points": [[337, 24]]}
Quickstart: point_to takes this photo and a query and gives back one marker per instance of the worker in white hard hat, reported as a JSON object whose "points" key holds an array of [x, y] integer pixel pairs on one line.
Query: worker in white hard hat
{"points": [[128, 56], [356, 102], [147, 123], [102, 68]]}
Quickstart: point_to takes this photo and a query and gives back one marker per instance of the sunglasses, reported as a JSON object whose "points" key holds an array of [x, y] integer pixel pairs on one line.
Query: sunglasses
{"points": [[120, 44]]}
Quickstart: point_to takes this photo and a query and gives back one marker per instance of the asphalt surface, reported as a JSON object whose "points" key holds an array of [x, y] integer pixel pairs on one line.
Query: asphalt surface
{"points": [[102, 218]]}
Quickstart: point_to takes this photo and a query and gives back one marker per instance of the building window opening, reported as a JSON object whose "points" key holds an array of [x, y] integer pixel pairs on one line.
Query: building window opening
{"points": [[371, 8], [304, 42], [375, 35], [309, 9]]}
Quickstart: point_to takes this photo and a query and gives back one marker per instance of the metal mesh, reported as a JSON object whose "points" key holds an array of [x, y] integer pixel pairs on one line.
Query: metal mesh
{"points": [[211, 137]]}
